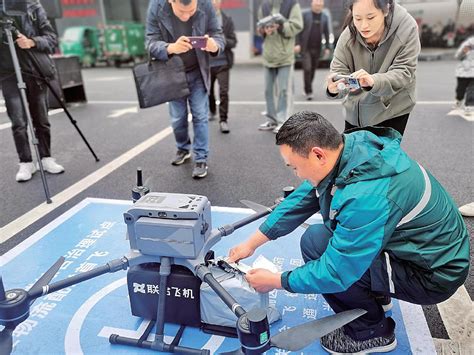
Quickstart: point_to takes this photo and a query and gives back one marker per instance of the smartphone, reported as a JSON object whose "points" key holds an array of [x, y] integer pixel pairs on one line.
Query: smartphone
{"points": [[352, 82], [198, 41]]}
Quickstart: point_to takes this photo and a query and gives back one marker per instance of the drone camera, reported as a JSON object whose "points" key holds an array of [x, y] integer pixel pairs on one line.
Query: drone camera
{"points": [[171, 225]]}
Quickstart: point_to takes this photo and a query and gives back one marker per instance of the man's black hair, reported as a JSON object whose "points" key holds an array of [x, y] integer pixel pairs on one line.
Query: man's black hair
{"points": [[184, 2], [305, 130]]}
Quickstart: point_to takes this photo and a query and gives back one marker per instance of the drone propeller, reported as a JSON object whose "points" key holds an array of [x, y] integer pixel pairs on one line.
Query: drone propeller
{"points": [[261, 208], [299, 337], [293, 339], [234, 352], [6, 340], [15, 305], [47, 276]]}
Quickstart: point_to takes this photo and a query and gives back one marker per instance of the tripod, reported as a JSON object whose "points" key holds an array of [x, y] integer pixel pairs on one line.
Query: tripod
{"points": [[8, 27]]}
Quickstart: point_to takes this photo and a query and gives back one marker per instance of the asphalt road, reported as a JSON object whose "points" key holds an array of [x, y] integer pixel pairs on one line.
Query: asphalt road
{"points": [[244, 164]]}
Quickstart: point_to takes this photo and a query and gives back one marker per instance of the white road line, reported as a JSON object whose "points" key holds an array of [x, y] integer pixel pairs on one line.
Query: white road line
{"points": [[251, 103], [11, 229], [5, 125], [9, 124], [458, 315]]}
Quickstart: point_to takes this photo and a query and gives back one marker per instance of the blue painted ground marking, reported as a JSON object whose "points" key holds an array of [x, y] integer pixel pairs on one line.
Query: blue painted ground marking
{"points": [[79, 320]]}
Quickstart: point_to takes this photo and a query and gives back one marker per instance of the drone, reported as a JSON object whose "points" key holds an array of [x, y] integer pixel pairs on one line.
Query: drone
{"points": [[173, 229]]}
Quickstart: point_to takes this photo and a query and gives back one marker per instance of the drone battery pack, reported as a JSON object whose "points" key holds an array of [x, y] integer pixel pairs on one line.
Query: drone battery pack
{"points": [[182, 294]]}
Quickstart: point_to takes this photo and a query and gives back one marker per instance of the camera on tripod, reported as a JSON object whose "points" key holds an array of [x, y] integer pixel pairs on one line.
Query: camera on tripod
{"points": [[13, 7], [270, 20]]}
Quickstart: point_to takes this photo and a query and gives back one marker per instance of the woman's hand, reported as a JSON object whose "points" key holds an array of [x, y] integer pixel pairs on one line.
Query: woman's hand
{"points": [[365, 79], [333, 86]]}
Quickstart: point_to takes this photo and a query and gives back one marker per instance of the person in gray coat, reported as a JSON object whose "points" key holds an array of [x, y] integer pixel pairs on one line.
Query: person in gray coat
{"points": [[379, 47]]}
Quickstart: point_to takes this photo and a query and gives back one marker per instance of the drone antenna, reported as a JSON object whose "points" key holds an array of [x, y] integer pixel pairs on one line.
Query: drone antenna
{"points": [[2, 291], [139, 177], [139, 190]]}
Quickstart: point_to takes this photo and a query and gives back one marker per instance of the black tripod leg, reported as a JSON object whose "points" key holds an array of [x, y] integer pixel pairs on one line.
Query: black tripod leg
{"points": [[73, 121], [22, 88], [55, 94]]}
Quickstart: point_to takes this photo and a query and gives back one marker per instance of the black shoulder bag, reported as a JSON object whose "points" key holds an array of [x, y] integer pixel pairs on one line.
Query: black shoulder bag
{"points": [[158, 82]]}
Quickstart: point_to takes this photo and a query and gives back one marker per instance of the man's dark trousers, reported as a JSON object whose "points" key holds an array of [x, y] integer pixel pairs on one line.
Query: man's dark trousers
{"points": [[37, 102], [310, 64], [404, 285], [221, 74]]}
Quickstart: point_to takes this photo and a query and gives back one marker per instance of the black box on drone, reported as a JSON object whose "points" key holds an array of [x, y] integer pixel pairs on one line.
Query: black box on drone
{"points": [[182, 294]]}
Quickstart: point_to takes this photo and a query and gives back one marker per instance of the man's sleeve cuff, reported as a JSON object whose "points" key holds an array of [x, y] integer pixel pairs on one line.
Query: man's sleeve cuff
{"points": [[284, 281]]}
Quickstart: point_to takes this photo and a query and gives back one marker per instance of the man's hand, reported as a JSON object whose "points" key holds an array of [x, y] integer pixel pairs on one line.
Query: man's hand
{"points": [[365, 79], [211, 45], [241, 251], [182, 45], [297, 49], [263, 280], [25, 42]]}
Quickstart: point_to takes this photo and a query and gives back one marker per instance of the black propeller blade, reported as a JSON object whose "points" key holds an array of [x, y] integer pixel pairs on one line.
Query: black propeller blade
{"points": [[255, 206], [6, 340], [299, 337], [6, 335], [261, 208], [47, 276], [234, 352]]}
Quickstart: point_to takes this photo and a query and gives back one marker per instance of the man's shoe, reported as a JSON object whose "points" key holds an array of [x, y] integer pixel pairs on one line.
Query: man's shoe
{"points": [[267, 126], [181, 157], [277, 128], [338, 342], [469, 110], [385, 302], [212, 116], [224, 127], [200, 170], [309, 97], [50, 166], [457, 105], [467, 210], [25, 172]]}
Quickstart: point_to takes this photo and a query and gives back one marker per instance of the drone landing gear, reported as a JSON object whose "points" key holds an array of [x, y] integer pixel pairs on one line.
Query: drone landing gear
{"points": [[158, 343]]}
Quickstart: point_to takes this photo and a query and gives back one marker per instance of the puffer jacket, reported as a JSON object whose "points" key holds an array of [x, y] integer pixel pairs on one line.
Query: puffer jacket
{"points": [[465, 69], [392, 65], [368, 202]]}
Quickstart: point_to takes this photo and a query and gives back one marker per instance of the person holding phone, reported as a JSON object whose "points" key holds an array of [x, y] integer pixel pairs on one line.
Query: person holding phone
{"points": [[465, 76], [189, 29], [379, 47]]}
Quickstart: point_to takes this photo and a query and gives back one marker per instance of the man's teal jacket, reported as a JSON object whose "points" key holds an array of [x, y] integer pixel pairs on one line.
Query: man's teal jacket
{"points": [[375, 200]]}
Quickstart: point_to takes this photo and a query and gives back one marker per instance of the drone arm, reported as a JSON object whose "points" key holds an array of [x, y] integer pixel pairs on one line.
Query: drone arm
{"points": [[205, 275], [110, 267], [230, 228]]}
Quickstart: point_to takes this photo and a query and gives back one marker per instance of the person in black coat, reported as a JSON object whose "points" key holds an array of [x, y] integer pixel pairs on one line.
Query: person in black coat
{"points": [[308, 42], [37, 36], [220, 69]]}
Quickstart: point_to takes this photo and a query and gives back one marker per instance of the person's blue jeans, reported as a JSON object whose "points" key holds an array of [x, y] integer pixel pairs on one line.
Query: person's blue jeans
{"points": [[406, 280], [279, 84], [199, 106]]}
